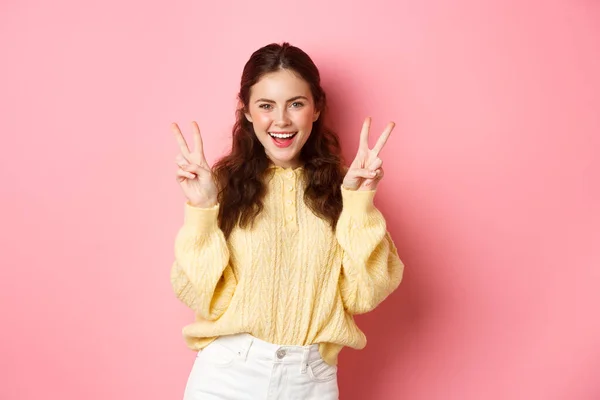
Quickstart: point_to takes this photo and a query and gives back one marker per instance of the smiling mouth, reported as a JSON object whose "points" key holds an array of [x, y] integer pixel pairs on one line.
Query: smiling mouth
{"points": [[282, 139], [282, 135]]}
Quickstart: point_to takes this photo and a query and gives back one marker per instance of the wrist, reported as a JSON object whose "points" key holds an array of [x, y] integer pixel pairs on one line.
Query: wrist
{"points": [[203, 204]]}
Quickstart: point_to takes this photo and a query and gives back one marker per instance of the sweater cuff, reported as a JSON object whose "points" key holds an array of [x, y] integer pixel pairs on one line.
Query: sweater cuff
{"points": [[358, 201], [202, 220]]}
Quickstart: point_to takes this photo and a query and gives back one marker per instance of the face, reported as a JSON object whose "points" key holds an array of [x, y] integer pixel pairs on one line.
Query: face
{"points": [[282, 112]]}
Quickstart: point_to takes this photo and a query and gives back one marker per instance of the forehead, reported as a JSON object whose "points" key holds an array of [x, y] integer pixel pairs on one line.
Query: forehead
{"points": [[280, 85]]}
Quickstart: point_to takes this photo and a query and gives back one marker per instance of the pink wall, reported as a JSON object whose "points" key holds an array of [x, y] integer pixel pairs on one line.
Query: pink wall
{"points": [[491, 187]]}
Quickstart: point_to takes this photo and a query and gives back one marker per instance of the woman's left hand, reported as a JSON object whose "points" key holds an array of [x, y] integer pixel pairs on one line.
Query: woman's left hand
{"points": [[366, 170]]}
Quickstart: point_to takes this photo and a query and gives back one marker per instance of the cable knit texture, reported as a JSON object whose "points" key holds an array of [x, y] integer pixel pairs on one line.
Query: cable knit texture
{"points": [[288, 279]]}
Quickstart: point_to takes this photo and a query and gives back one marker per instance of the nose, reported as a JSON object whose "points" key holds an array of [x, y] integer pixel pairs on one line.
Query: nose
{"points": [[282, 118]]}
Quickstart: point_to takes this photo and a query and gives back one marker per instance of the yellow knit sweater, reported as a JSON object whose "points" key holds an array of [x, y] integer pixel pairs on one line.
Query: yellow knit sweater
{"points": [[289, 279]]}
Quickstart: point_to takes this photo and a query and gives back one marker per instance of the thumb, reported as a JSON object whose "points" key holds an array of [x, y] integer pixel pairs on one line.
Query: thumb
{"points": [[362, 173], [196, 169]]}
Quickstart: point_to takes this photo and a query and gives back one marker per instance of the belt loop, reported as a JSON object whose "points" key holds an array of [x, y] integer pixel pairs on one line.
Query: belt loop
{"points": [[245, 348], [305, 354]]}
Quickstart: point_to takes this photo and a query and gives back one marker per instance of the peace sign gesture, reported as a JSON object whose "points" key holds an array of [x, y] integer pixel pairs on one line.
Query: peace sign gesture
{"points": [[365, 172], [194, 174]]}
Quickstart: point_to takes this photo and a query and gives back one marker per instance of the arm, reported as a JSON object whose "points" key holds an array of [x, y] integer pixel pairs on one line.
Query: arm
{"points": [[371, 268], [201, 276]]}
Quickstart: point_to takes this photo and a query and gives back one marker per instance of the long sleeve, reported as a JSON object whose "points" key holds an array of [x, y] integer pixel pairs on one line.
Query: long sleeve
{"points": [[201, 275], [371, 268]]}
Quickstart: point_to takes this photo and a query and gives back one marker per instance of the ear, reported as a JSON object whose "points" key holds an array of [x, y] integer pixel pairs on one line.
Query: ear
{"points": [[240, 107], [316, 115]]}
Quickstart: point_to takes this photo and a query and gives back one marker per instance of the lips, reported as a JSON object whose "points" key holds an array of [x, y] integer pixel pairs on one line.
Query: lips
{"points": [[282, 135], [282, 139]]}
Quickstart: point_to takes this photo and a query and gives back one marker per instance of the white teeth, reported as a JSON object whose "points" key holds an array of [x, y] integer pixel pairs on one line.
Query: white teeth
{"points": [[282, 135]]}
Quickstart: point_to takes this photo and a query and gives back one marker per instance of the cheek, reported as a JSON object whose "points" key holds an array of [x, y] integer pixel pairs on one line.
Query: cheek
{"points": [[304, 118], [262, 120]]}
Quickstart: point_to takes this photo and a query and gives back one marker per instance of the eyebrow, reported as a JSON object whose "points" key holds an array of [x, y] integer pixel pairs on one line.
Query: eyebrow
{"points": [[292, 99]]}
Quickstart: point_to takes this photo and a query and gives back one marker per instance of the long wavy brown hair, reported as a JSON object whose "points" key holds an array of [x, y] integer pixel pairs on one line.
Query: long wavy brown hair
{"points": [[240, 174]]}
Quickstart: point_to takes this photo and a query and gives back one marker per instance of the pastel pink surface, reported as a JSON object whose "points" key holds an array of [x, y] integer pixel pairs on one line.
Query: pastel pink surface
{"points": [[491, 188]]}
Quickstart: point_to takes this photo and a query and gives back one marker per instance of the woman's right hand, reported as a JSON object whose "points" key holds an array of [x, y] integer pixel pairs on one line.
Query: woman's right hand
{"points": [[194, 174]]}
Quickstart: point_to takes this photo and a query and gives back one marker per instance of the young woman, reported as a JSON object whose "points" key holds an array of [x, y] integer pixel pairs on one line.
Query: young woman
{"points": [[281, 244]]}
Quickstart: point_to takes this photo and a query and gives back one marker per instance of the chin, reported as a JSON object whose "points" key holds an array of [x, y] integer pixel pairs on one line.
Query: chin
{"points": [[284, 159]]}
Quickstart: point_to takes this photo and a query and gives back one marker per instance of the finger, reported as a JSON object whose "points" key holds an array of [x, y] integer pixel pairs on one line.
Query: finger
{"points": [[383, 138], [198, 144], [362, 173], [375, 164], [364, 133], [183, 175], [180, 140], [378, 174], [181, 160], [375, 174], [372, 183], [193, 168]]}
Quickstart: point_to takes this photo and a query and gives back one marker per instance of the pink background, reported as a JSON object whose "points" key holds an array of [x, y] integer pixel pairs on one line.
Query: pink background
{"points": [[491, 187]]}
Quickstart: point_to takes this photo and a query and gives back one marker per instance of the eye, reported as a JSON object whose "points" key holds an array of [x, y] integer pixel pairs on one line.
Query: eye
{"points": [[265, 106], [297, 104]]}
